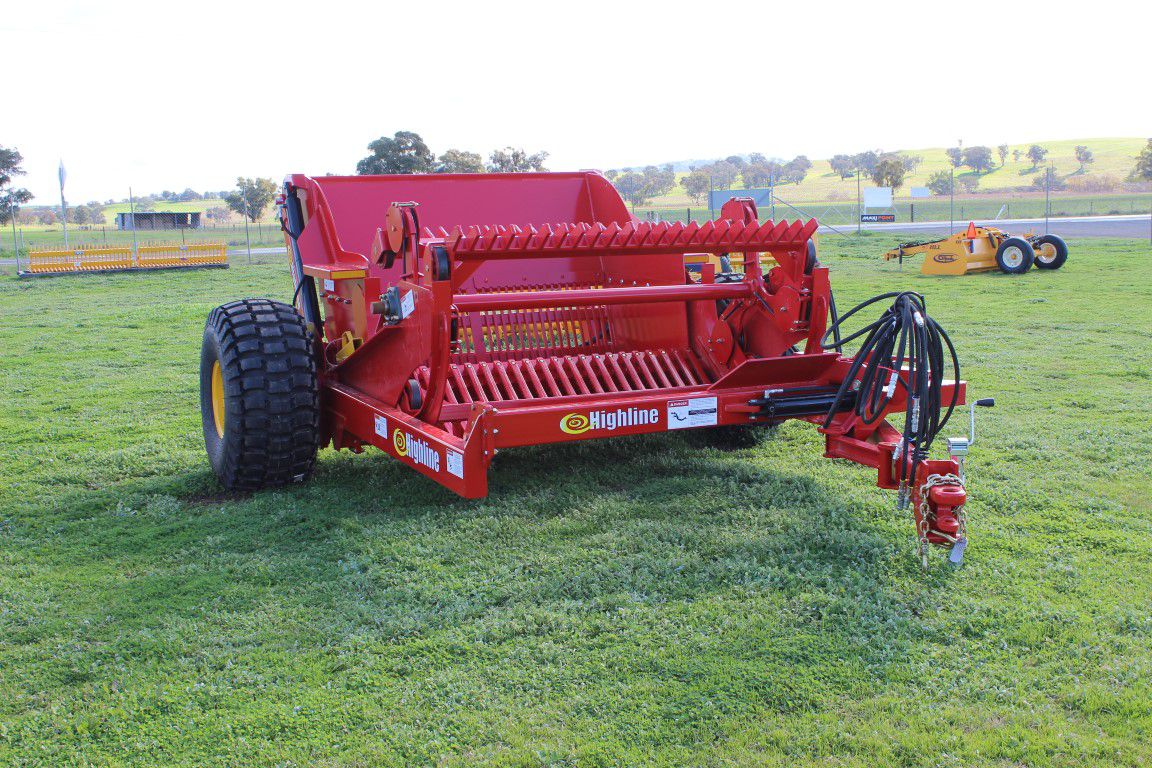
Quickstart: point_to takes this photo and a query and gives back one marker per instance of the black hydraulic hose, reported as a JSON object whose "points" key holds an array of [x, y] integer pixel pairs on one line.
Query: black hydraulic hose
{"points": [[903, 348], [831, 308]]}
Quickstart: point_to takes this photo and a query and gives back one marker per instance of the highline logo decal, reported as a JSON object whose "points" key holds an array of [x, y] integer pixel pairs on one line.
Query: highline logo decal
{"points": [[607, 421]]}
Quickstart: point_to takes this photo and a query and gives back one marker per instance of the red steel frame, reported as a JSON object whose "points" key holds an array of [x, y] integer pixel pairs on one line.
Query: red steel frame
{"points": [[510, 333]]}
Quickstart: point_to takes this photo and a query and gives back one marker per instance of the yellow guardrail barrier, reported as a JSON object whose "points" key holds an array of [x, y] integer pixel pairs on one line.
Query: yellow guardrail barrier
{"points": [[191, 255], [87, 258]]}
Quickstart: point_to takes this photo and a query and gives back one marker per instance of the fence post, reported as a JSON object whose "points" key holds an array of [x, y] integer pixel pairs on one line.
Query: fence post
{"points": [[1047, 204], [952, 200], [15, 245], [247, 237], [857, 201], [132, 213]]}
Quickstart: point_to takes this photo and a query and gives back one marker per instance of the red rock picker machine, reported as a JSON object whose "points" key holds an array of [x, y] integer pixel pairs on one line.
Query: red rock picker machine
{"points": [[443, 318]]}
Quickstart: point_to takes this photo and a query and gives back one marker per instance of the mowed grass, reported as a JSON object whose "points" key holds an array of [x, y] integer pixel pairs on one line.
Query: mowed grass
{"points": [[628, 602]]}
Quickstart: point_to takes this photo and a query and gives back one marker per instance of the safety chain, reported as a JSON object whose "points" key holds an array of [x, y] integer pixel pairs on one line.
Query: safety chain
{"points": [[961, 534]]}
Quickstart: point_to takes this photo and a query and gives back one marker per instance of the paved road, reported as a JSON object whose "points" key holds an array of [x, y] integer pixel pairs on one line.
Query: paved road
{"points": [[1139, 226], [241, 252]]}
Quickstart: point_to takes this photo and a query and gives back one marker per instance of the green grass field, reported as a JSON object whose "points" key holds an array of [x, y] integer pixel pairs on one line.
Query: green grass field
{"points": [[620, 603]]}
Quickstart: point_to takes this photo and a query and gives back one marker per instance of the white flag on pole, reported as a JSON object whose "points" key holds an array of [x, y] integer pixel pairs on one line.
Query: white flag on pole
{"points": [[63, 175]]}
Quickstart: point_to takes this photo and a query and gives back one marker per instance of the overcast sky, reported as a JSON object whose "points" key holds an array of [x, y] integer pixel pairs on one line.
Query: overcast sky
{"points": [[167, 96]]}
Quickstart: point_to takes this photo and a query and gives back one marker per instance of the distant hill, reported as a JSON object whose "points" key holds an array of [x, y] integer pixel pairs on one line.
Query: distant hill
{"points": [[1114, 157]]}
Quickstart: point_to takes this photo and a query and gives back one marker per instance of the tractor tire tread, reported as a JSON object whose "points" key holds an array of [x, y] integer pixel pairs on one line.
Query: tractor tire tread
{"points": [[272, 429], [1025, 250], [1061, 252]]}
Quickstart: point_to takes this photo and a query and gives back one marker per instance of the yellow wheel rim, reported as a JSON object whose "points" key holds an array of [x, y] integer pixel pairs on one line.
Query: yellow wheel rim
{"points": [[218, 398], [1047, 253]]}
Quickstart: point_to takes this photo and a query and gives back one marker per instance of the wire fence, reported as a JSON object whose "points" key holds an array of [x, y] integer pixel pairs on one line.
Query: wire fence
{"points": [[23, 239], [843, 213], [839, 215]]}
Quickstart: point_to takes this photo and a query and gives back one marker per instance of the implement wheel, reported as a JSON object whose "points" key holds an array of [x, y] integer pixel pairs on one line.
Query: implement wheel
{"points": [[1015, 256], [1051, 252], [259, 399]]}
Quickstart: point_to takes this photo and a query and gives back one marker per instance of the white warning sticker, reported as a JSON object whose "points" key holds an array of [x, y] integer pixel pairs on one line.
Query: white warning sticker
{"points": [[329, 285], [407, 305], [382, 426], [456, 463], [697, 412]]}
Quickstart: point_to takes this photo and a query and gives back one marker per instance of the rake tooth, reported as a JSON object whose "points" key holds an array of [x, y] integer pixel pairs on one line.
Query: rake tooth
{"points": [[778, 231], [751, 230], [587, 237], [535, 238], [719, 231], [567, 238], [515, 238], [690, 234], [646, 231], [632, 235], [453, 238], [500, 242], [735, 231], [485, 238], [609, 235], [596, 237], [809, 230], [704, 232], [470, 238], [548, 236], [673, 234], [793, 231], [660, 233]]}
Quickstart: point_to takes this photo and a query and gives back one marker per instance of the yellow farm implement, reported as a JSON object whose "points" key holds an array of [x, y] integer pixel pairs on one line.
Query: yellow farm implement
{"points": [[125, 258], [981, 249]]}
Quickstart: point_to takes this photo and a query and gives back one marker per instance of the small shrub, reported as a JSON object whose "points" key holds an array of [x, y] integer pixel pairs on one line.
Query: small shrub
{"points": [[1092, 183]]}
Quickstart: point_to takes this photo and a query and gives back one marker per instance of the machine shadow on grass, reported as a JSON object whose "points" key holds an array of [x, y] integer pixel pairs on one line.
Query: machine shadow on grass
{"points": [[658, 500], [571, 532]]}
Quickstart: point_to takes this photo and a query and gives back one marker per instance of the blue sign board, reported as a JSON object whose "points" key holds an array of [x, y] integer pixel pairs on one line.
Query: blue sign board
{"points": [[717, 198]]}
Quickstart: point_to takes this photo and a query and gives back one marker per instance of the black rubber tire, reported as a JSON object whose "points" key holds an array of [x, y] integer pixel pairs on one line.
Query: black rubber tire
{"points": [[1061, 252], [1025, 248], [271, 398]]}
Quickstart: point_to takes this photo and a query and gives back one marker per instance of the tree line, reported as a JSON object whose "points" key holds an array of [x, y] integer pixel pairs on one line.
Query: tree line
{"points": [[757, 171], [980, 160], [406, 152]]}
